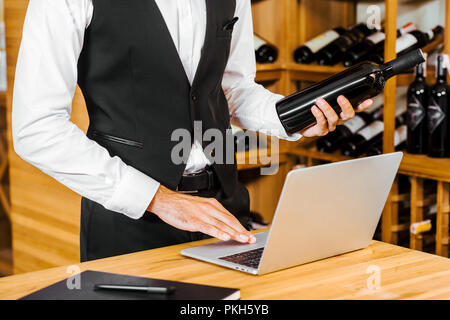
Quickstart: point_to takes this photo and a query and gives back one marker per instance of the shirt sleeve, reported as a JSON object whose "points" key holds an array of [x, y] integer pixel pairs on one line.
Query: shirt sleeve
{"points": [[251, 105], [43, 134]]}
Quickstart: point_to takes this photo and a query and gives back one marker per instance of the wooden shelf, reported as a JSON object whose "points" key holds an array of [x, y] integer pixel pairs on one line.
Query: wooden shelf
{"points": [[426, 167], [246, 160], [313, 153], [269, 75], [269, 67], [314, 72], [413, 165]]}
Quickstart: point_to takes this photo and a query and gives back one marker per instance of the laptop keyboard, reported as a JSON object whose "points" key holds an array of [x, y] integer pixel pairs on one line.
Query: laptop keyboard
{"points": [[248, 258]]}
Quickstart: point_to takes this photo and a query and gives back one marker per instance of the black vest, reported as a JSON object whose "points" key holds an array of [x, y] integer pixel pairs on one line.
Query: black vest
{"points": [[137, 92]]}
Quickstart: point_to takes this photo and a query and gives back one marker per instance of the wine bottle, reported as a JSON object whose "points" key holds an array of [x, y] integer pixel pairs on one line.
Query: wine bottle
{"points": [[409, 41], [438, 139], [264, 51], [369, 135], [307, 52], [399, 142], [333, 141], [334, 52], [358, 83], [372, 43], [417, 99]]}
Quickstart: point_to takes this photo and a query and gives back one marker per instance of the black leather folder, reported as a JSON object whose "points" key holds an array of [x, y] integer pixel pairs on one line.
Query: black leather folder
{"points": [[87, 291]]}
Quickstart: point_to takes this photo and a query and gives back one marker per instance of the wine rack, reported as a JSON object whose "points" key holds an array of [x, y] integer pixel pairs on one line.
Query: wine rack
{"points": [[300, 20]]}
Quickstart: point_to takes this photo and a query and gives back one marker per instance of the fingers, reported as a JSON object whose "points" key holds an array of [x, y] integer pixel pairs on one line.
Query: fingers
{"points": [[212, 231], [365, 105], [225, 221], [223, 215], [347, 109], [330, 115], [322, 123], [198, 214], [231, 233]]}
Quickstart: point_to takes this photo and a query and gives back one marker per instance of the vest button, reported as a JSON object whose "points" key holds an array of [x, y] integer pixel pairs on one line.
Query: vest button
{"points": [[194, 97]]}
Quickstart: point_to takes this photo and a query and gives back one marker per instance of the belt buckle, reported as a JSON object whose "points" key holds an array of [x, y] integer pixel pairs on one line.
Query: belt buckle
{"points": [[210, 186], [186, 192]]}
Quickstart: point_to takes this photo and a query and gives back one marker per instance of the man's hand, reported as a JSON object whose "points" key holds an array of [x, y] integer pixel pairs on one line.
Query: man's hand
{"points": [[327, 119], [197, 214]]}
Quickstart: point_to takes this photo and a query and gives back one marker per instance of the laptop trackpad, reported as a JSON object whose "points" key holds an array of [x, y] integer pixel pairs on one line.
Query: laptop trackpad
{"points": [[226, 248]]}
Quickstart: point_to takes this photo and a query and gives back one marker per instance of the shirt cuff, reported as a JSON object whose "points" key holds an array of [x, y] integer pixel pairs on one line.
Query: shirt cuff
{"points": [[133, 194], [277, 128]]}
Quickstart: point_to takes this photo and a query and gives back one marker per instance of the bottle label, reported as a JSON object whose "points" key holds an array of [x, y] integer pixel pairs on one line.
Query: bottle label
{"points": [[321, 41], [377, 37], [400, 135], [415, 114], [355, 124], [404, 42], [435, 116], [372, 130], [407, 28], [258, 42], [377, 103], [400, 110]]}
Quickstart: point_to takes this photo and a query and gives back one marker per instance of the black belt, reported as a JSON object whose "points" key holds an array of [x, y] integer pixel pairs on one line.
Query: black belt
{"points": [[202, 181]]}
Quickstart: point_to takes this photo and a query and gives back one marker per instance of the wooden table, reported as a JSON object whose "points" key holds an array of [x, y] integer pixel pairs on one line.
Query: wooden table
{"points": [[404, 274]]}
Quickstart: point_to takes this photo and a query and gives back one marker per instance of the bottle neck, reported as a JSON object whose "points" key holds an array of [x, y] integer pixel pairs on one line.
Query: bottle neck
{"points": [[420, 72], [442, 76], [388, 71], [441, 70], [402, 63]]}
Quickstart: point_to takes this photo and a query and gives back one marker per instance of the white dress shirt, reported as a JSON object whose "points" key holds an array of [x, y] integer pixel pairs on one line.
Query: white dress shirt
{"points": [[46, 79]]}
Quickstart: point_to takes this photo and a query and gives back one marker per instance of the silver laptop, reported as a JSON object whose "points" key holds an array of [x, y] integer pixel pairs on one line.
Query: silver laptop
{"points": [[323, 211]]}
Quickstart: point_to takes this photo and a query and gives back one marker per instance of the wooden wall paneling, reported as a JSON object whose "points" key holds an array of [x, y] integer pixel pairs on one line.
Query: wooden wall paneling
{"points": [[5, 225], [290, 36], [442, 218], [267, 17], [317, 16], [45, 214], [303, 16], [277, 22], [4, 199]]}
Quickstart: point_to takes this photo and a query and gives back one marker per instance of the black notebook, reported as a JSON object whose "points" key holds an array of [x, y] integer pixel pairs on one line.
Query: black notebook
{"points": [[88, 280]]}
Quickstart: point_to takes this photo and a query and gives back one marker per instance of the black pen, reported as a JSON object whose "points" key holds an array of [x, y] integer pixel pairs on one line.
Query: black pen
{"points": [[143, 289]]}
